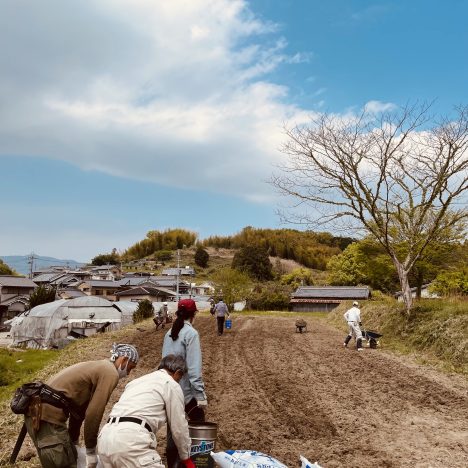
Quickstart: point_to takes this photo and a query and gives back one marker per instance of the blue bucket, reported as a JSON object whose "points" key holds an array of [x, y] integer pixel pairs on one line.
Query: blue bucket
{"points": [[228, 324]]}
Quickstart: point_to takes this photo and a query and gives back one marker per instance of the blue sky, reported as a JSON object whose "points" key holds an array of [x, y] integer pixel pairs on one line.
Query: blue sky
{"points": [[121, 116]]}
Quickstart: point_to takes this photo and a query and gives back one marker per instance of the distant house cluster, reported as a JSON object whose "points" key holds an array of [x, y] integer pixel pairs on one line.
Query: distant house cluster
{"points": [[14, 296], [107, 282]]}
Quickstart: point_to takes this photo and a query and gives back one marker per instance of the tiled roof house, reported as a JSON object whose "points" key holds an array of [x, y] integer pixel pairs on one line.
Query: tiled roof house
{"points": [[325, 298]]}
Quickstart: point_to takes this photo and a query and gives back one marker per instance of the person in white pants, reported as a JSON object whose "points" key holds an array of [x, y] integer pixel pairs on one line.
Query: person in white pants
{"points": [[353, 318], [129, 438]]}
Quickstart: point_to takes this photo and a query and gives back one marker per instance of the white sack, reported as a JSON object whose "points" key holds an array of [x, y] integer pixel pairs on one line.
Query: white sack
{"points": [[245, 459]]}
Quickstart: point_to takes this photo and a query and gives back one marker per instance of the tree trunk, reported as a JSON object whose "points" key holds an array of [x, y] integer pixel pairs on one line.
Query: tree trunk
{"points": [[419, 284], [405, 287]]}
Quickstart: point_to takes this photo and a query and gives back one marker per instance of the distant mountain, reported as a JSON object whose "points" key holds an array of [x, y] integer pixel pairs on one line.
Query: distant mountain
{"points": [[21, 265]]}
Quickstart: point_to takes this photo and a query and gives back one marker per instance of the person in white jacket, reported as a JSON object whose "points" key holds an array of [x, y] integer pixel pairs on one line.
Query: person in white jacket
{"points": [[353, 318], [147, 403]]}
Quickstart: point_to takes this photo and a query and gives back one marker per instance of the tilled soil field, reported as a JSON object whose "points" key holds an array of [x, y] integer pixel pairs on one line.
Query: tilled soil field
{"points": [[284, 393]]}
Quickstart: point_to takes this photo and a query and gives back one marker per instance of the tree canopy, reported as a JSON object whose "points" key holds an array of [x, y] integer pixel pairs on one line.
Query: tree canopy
{"points": [[112, 258], [398, 175], [5, 269], [269, 296], [312, 249], [232, 285], [253, 260], [451, 283], [363, 262], [170, 239], [201, 257], [41, 295], [298, 277], [144, 310]]}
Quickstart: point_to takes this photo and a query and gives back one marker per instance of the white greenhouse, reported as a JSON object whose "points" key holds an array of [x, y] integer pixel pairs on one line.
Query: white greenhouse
{"points": [[55, 324]]}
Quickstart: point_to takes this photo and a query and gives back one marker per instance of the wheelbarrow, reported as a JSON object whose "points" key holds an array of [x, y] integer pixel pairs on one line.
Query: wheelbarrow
{"points": [[301, 326], [372, 338]]}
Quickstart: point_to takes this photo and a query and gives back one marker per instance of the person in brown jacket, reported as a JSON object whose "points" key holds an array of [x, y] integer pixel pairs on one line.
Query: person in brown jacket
{"points": [[88, 387]]}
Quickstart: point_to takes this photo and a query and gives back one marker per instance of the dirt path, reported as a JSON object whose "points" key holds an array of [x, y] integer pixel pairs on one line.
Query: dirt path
{"points": [[283, 393]]}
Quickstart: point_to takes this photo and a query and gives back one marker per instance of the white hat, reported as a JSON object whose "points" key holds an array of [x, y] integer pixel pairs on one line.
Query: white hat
{"points": [[355, 303]]}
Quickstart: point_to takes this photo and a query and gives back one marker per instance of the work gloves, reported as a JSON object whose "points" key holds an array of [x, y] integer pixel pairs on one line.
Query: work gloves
{"points": [[91, 458], [188, 463], [360, 324], [203, 403]]}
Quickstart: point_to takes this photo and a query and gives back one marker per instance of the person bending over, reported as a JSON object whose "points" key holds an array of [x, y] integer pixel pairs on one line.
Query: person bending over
{"points": [[147, 403], [87, 387]]}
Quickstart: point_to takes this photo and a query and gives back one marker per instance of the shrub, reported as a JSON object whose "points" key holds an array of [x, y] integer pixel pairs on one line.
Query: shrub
{"points": [[144, 310], [232, 285], [106, 259], [163, 255], [5, 269], [269, 296], [298, 277], [201, 257], [451, 283], [41, 295], [254, 261]]}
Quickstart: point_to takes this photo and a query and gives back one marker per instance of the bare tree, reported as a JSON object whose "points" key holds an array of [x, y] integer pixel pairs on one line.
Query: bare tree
{"points": [[398, 175]]}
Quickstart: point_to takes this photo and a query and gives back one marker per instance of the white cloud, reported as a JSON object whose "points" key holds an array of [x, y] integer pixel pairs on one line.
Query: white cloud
{"points": [[171, 92], [376, 107]]}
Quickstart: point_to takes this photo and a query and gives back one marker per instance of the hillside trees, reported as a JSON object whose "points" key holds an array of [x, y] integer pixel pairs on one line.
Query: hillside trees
{"points": [[253, 260], [5, 269], [201, 257], [312, 249], [163, 255], [396, 175], [112, 258], [170, 239]]}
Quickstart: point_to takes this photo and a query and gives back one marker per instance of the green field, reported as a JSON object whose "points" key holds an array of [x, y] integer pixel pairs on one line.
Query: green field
{"points": [[18, 366]]}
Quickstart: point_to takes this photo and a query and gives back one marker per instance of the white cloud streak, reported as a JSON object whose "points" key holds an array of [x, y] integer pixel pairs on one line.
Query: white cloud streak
{"points": [[176, 92]]}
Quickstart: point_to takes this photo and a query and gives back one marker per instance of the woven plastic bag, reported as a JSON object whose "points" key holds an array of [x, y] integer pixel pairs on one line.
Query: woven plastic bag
{"points": [[245, 459], [306, 463]]}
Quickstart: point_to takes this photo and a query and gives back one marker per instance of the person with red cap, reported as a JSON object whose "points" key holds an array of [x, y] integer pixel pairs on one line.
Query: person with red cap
{"points": [[183, 340]]}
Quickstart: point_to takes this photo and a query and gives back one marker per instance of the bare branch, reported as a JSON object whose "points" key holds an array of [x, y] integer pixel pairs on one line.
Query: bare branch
{"points": [[392, 174]]}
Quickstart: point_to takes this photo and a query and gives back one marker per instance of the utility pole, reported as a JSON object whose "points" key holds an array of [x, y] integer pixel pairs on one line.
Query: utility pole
{"points": [[31, 258], [178, 274]]}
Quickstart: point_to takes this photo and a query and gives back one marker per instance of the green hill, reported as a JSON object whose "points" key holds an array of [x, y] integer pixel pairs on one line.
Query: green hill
{"points": [[307, 248]]}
